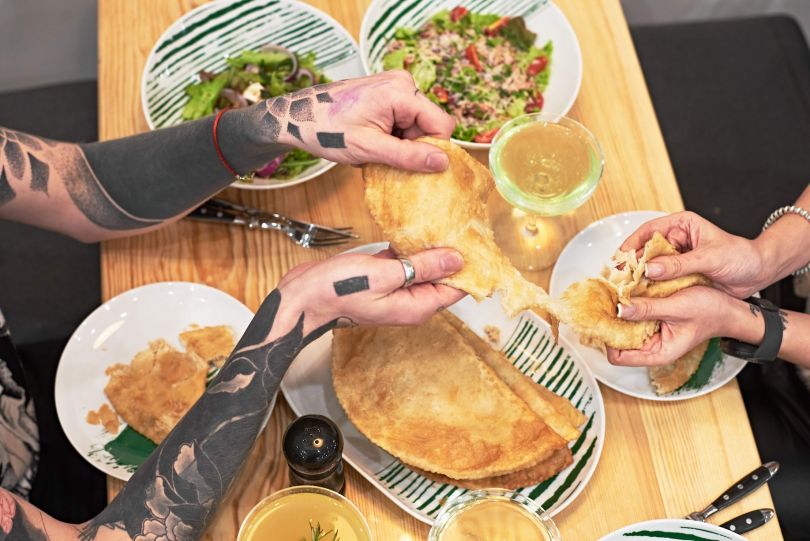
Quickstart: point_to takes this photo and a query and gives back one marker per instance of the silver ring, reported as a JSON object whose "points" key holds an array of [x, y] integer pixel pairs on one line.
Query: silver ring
{"points": [[410, 272]]}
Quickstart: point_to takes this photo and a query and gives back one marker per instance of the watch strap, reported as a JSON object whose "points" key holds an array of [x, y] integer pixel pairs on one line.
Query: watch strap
{"points": [[768, 349]]}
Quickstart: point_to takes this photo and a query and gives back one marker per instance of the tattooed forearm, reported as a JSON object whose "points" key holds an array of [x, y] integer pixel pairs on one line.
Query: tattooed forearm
{"points": [[177, 491], [755, 310], [351, 285], [19, 162], [331, 139]]}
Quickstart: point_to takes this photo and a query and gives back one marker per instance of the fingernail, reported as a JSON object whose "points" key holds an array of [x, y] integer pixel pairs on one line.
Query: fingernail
{"points": [[437, 161], [451, 262], [653, 270], [625, 310]]}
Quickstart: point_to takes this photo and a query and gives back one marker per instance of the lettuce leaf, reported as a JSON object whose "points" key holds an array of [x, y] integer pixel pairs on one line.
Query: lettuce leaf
{"points": [[395, 59], [518, 35], [424, 74], [203, 96]]}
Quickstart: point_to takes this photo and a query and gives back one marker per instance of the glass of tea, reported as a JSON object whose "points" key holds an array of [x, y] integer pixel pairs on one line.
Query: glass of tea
{"points": [[544, 165], [493, 515], [304, 512]]}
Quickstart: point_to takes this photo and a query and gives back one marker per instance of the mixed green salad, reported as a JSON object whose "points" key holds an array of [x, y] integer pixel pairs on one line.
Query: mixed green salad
{"points": [[250, 77], [483, 69]]}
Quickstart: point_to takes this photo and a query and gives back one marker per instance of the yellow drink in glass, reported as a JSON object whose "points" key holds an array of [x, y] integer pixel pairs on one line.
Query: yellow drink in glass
{"points": [[292, 513]]}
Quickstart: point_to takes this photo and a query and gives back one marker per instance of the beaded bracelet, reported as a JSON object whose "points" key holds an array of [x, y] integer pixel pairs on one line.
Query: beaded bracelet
{"points": [[778, 213]]}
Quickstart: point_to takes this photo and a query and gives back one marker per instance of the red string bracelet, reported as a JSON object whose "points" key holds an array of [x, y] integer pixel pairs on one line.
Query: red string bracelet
{"points": [[239, 178]]}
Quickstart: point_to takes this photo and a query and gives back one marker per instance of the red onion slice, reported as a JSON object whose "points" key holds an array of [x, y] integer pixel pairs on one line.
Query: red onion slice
{"points": [[306, 72], [293, 58], [236, 99], [268, 170]]}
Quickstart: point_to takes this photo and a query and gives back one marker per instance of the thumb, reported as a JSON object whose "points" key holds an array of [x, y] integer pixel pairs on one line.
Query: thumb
{"points": [[667, 267], [406, 154], [643, 309]]}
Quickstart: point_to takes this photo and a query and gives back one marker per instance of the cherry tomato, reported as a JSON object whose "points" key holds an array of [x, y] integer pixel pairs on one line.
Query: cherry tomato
{"points": [[472, 56], [487, 136], [534, 104], [495, 27], [440, 93], [457, 13], [537, 65]]}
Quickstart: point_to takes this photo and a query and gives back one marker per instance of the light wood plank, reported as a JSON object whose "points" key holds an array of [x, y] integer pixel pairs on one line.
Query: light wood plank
{"points": [[660, 460]]}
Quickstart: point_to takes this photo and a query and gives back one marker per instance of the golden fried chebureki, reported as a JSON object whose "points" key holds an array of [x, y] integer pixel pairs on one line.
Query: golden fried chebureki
{"points": [[417, 211], [153, 392], [211, 344], [558, 461], [669, 378], [556, 411], [422, 394], [590, 306]]}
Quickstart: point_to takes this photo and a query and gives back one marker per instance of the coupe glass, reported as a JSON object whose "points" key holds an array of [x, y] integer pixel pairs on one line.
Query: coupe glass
{"points": [[544, 165]]}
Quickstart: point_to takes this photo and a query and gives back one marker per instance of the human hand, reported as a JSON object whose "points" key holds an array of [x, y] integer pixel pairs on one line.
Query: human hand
{"points": [[367, 289], [733, 263], [359, 121], [688, 318]]}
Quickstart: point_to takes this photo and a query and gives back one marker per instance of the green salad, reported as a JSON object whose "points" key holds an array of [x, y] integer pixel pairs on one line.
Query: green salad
{"points": [[483, 69], [251, 77]]}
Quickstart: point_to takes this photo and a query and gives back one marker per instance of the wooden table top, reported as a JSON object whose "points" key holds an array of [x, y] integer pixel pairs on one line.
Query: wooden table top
{"points": [[659, 460]]}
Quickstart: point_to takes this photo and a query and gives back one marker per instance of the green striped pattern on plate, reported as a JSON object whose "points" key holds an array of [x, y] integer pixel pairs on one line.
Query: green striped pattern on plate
{"points": [[672, 530], [534, 352], [386, 16], [204, 38]]}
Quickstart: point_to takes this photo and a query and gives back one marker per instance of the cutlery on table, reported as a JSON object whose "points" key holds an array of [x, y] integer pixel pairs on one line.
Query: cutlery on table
{"points": [[748, 521], [738, 490], [304, 234]]}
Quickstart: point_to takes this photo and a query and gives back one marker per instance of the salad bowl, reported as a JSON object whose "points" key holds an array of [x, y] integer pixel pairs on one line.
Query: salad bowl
{"points": [[204, 39], [550, 66]]}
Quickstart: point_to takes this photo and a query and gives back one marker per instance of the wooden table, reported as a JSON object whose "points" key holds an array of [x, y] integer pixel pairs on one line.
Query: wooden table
{"points": [[660, 459]]}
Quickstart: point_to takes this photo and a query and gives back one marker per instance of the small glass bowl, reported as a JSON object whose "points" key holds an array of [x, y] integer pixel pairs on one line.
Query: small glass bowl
{"points": [[338, 500], [455, 507]]}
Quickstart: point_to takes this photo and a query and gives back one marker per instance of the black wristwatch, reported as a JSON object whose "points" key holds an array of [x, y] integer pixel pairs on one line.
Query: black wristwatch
{"points": [[769, 348]]}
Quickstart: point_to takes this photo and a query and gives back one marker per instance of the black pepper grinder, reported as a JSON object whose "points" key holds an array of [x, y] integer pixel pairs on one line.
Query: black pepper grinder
{"points": [[313, 447]]}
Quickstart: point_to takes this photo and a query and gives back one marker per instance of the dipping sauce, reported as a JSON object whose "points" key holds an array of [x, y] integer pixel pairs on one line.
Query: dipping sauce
{"points": [[291, 515]]}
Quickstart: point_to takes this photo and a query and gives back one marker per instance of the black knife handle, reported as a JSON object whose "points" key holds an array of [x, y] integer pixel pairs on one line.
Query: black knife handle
{"points": [[746, 485], [748, 521]]}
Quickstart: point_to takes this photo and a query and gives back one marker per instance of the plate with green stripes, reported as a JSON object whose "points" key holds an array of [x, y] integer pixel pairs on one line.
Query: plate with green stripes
{"points": [[204, 38], [528, 343], [673, 530], [384, 17]]}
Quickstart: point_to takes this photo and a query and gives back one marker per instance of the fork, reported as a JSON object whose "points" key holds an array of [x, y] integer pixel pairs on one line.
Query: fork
{"points": [[305, 234]]}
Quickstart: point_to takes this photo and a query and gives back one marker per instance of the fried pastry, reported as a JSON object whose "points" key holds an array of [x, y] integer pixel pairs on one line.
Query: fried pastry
{"points": [[558, 461], [417, 211], [590, 306], [424, 395], [669, 378], [157, 389], [211, 344], [560, 414]]}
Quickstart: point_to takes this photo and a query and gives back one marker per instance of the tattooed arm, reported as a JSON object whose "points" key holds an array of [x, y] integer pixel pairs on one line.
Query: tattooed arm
{"points": [[176, 492], [119, 187]]}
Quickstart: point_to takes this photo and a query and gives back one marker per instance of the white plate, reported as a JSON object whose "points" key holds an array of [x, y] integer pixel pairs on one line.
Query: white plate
{"points": [[657, 530], [526, 340], [114, 333], [584, 257], [205, 37], [384, 17]]}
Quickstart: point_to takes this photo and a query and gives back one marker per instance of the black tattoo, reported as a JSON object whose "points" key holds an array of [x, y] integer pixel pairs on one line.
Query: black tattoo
{"points": [[176, 492], [293, 130], [39, 175], [415, 91], [755, 310], [17, 525], [6, 192], [351, 285], [301, 110], [272, 126], [279, 106], [330, 139], [784, 317], [324, 97], [15, 158]]}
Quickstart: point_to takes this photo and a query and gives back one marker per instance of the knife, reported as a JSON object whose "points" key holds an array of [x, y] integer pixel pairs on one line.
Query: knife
{"points": [[738, 490], [748, 521]]}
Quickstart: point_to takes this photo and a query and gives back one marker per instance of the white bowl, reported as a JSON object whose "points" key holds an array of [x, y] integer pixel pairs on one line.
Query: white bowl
{"points": [[384, 17], [205, 37]]}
